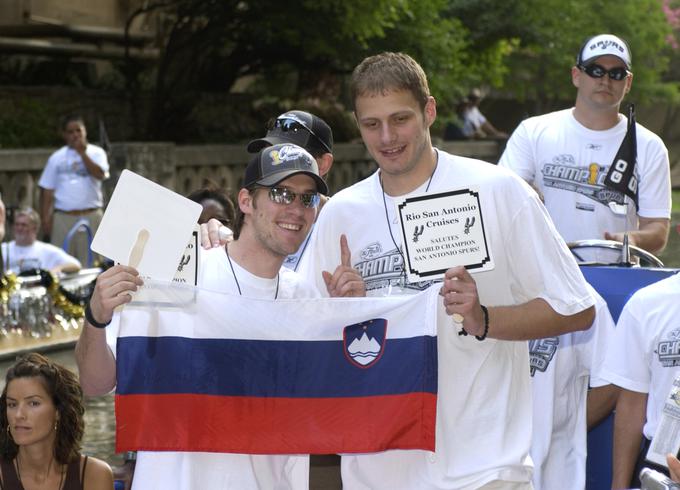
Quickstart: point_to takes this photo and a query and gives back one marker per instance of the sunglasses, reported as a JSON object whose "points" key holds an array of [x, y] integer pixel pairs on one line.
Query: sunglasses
{"points": [[286, 125], [597, 71], [283, 195]]}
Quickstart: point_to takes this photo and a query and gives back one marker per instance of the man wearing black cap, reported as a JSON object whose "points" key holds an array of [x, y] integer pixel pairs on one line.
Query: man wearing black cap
{"points": [[309, 132], [276, 208], [303, 129], [567, 154]]}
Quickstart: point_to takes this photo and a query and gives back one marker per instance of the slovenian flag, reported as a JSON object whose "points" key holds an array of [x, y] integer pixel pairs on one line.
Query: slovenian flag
{"points": [[224, 373]]}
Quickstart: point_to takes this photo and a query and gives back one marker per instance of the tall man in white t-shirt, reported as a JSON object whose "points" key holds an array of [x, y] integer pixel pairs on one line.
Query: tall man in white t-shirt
{"points": [[484, 403], [484, 398], [71, 188], [566, 155], [276, 207], [26, 252]]}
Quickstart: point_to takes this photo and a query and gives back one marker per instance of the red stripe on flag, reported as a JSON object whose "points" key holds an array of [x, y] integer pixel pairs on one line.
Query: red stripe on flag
{"points": [[257, 425]]}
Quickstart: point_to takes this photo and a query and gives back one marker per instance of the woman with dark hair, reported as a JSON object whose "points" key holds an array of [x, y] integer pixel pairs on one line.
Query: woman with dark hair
{"points": [[216, 204], [41, 427]]}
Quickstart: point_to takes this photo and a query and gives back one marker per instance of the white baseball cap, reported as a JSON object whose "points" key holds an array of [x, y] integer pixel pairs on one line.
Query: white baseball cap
{"points": [[601, 45]]}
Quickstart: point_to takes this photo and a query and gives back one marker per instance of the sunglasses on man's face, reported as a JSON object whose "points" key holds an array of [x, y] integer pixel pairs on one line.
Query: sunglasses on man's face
{"points": [[286, 125], [598, 71], [283, 195]]}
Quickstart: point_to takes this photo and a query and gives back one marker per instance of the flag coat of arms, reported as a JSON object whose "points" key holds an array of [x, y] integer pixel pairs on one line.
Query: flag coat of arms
{"points": [[224, 373]]}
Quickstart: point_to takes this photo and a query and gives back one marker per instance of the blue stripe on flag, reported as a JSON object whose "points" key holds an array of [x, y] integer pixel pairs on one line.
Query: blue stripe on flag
{"points": [[229, 367]]}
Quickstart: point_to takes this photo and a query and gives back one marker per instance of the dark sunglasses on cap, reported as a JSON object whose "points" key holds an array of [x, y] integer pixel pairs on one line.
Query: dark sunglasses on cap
{"points": [[286, 125], [283, 195], [598, 71]]}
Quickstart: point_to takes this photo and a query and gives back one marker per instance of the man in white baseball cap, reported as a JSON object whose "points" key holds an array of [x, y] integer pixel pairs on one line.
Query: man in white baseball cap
{"points": [[566, 156]]}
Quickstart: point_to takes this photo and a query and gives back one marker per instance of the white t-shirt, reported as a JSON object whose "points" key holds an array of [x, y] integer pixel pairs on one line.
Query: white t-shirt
{"points": [[484, 393], [473, 119], [216, 471], [560, 370], [38, 255], [568, 162], [74, 187], [644, 355]]}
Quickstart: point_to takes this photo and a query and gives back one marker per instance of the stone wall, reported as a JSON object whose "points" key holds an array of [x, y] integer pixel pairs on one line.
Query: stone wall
{"points": [[187, 168]]}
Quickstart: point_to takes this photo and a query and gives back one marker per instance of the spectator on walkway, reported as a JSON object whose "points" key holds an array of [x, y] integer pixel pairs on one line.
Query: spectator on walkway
{"points": [[475, 124], [71, 188], [26, 252]]}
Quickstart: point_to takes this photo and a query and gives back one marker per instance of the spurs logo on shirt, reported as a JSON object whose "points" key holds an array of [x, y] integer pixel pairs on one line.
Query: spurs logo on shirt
{"points": [[564, 173], [383, 269], [541, 352], [669, 350]]}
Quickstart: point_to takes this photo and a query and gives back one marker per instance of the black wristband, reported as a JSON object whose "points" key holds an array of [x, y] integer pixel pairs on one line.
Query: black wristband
{"points": [[464, 333], [486, 324], [90, 319]]}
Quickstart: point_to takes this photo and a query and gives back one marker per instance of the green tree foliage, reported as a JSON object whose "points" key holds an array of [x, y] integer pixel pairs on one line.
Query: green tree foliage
{"points": [[286, 53], [550, 33], [296, 51]]}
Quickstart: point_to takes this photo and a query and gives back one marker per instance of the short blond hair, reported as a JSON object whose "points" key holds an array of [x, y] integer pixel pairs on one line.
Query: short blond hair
{"points": [[31, 213], [387, 71]]}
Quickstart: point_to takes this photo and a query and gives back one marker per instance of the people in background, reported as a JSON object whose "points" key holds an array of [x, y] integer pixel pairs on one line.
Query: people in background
{"points": [[216, 204], [27, 253], [475, 124], [71, 189]]}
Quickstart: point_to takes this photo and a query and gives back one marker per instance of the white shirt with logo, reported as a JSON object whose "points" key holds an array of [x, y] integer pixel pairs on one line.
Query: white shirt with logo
{"points": [[484, 408], [644, 355], [74, 188], [568, 162], [219, 471], [38, 255], [561, 370]]}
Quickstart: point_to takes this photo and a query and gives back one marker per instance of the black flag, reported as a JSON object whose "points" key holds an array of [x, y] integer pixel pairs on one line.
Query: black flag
{"points": [[621, 175]]}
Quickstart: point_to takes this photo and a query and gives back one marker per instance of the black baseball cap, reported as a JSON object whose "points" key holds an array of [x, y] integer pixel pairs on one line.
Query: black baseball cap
{"points": [[278, 162], [300, 128]]}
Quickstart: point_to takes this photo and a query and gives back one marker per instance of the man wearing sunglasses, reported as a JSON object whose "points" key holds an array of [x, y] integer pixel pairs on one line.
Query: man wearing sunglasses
{"points": [[275, 209], [566, 155], [309, 132]]}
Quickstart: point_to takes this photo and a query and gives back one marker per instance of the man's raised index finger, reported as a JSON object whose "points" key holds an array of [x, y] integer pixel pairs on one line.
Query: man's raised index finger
{"points": [[345, 254]]}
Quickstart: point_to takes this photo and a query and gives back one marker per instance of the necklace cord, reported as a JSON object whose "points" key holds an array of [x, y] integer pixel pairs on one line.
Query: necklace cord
{"points": [[387, 218], [49, 467], [238, 286]]}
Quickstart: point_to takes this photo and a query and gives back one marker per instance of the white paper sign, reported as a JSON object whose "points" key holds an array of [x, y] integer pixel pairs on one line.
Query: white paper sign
{"points": [[441, 231], [147, 226]]}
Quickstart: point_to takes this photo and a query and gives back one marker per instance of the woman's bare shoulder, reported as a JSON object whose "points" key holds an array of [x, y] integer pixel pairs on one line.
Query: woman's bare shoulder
{"points": [[98, 474]]}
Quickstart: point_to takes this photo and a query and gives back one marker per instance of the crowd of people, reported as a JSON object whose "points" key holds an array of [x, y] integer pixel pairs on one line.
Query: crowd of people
{"points": [[498, 425]]}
